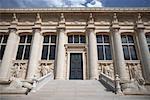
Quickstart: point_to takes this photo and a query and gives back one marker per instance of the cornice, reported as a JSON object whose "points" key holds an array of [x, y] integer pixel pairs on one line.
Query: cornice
{"points": [[74, 9]]}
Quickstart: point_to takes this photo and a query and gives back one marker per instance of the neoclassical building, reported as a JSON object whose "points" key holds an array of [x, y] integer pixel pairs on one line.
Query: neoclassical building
{"points": [[76, 44]]}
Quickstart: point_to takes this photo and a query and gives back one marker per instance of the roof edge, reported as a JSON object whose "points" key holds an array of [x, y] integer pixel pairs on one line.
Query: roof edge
{"points": [[76, 9]]}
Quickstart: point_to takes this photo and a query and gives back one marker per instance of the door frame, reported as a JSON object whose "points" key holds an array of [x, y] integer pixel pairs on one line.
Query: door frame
{"points": [[80, 66], [74, 49]]}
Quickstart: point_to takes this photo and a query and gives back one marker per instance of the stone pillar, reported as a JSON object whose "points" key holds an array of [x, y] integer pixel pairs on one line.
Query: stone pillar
{"points": [[8, 54], [119, 56], [34, 53], [92, 53], [60, 55], [144, 53]]}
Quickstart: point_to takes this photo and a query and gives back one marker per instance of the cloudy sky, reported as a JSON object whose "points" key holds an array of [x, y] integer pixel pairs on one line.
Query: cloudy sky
{"points": [[72, 3]]}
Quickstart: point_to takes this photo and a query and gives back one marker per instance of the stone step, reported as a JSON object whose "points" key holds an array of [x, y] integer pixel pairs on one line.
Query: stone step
{"points": [[73, 87]]}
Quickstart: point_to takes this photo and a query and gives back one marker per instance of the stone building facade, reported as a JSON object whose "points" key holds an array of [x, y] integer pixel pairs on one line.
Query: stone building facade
{"points": [[75, 43]]}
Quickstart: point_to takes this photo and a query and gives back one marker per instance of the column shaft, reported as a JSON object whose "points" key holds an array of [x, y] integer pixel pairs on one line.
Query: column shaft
{"points": [[119, 56], [144, 54], [60, 57], [92, 54], [8, 55], [34, 54]]}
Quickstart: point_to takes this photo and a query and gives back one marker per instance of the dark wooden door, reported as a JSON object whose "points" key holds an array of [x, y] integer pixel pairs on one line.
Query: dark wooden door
{"points": [[76, 66]]}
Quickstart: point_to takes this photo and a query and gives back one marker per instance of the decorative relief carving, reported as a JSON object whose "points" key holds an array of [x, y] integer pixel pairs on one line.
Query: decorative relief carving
{"points": [[137, 81], [19, 70], [106, 68], [135, 72], [45, 68]]}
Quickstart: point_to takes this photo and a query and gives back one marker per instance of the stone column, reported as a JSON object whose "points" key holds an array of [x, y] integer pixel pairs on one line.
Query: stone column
{"points": [[119, 56], [34, 53], [144, 53], [8, 54], [60, 55], [92, 53]]}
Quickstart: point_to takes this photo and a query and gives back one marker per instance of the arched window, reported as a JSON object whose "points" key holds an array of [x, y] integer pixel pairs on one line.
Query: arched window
{"points": [[3, 41], [23, 52], [49, 45], [128, 45], [103, 47], [148, 40], [76, 39]]}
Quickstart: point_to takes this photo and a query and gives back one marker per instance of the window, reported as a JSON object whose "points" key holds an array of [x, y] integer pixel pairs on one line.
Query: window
{"points": [[103, 47], [128, 47], [76, 39], [3, 41], [49, 46], [148, 40], [24, 47]]}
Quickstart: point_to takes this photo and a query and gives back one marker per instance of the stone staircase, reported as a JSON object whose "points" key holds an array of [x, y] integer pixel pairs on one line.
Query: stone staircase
{"points": [[73, 90]]}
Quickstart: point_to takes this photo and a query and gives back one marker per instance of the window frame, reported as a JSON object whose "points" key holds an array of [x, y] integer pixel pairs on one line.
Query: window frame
{"points": [[79, 38], [49, 44], [2, 43], [104, 45], [129, 44], [24, 44]]}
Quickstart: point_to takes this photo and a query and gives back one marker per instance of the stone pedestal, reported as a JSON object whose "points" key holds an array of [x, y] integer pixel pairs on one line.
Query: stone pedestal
{"points": [[8, 54], [92, 53], [34, 53]]}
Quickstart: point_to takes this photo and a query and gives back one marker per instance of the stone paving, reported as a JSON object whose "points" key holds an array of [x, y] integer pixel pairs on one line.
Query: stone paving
{"points": [[73, 90]]}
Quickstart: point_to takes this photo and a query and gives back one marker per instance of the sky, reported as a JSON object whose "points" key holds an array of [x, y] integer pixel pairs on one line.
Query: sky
{"points": [[72, 3]]}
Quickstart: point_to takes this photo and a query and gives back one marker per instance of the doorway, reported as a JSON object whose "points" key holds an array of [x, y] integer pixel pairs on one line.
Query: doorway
{"points": [[76, 66]]}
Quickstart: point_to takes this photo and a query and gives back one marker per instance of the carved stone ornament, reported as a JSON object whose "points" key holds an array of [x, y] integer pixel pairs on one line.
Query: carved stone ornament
{"points": [[137, 81], [38, 18], [107, 69], [17, 83], [139, 18], [91, 19], [18, 70], [44, 69], [62, 18], [14, 18], [115, 19]]}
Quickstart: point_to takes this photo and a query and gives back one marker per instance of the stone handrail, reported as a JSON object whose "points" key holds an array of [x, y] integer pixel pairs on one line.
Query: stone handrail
{"points": [[38, 83], [108, 80], [114, 84]]}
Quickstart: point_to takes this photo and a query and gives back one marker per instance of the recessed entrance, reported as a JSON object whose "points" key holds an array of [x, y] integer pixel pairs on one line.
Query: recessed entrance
{"points": [[76, 66]]}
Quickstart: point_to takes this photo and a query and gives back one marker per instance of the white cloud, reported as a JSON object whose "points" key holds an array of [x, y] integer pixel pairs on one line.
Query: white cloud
{"points": [[94, 3], [50, 3], [54, 3], [74, 3]]}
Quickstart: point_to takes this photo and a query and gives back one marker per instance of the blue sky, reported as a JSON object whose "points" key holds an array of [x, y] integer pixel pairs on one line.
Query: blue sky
{"points": [[72, 3]]}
